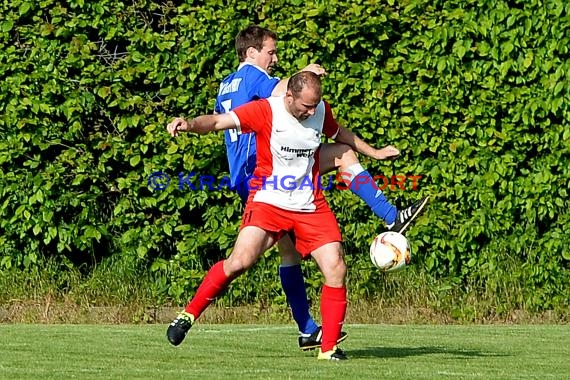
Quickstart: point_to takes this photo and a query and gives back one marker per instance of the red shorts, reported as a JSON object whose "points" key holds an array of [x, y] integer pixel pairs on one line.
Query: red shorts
{"points": [[311, 230]]}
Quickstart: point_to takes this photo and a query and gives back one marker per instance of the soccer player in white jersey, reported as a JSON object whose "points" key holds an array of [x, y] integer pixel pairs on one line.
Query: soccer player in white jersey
{"points": [[288, 135], [295, 122]]}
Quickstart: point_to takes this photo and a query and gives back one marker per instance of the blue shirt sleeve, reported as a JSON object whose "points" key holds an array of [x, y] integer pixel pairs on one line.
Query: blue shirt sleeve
{"points": [[259, 85], [218, 107]]}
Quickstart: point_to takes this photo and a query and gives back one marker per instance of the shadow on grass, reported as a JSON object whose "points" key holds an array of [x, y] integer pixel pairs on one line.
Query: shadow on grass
{"points": [[402, 352]]}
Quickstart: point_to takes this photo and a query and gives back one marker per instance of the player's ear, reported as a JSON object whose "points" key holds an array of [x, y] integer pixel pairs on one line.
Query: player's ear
{"points": [[251, 52]]}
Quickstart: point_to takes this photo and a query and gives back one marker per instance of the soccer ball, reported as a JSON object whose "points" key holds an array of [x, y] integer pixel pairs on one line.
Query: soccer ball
{"points": [[390, 251]]}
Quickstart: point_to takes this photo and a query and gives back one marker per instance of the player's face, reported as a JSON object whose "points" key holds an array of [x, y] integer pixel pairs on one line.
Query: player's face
{"points": [[303, 106], [266, 58]]}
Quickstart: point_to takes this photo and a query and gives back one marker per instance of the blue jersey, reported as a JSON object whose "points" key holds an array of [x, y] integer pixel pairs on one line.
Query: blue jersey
{"points": [[248, 83]]}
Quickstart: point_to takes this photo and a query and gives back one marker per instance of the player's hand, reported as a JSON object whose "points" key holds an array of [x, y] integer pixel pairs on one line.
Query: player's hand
{"points": [[177, 125], [387, 153], [315, 68]]}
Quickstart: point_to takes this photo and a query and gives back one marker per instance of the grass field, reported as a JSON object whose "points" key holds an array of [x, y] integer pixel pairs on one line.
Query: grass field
{"points": [[270, 352]]}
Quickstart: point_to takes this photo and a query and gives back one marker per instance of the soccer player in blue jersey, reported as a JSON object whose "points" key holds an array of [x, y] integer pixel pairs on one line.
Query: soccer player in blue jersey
{"points": [[257, 53], [256, 50]]}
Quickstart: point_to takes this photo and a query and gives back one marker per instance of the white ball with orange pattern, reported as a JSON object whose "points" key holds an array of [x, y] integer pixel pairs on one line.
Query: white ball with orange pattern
{"points": [[390, 251]]}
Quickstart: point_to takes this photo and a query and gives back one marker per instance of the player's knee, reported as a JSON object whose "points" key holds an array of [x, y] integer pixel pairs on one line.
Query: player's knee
{"points": [[335, 280], [347, 155], [238, 262], [340, 270], [334, 272]]}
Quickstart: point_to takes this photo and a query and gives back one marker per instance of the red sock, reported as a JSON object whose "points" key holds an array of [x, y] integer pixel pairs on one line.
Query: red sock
{"points": [[333, 311], [212, 286]]}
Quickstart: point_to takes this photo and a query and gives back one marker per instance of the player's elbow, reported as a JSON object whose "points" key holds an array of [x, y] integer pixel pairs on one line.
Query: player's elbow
{"points": [[345, 136]]}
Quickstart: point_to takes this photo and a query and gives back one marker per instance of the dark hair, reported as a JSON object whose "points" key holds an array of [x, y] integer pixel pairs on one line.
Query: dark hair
{"points": [[304, 79], [252, 36]]}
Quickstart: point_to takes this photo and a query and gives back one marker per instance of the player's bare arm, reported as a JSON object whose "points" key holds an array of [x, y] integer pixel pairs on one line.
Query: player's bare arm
{"points": [[347, 137], [202, 124]]}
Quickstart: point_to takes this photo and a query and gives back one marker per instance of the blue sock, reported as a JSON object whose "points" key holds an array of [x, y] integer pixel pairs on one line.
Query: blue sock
{"points": [[294, 286], [362, 184]]}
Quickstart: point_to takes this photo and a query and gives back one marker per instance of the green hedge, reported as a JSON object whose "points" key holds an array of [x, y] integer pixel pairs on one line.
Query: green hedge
{"points": [[474, 93]]}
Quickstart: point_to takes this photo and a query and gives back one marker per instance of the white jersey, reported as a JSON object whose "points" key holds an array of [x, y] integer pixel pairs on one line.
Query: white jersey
{"points": [[287, 169]]}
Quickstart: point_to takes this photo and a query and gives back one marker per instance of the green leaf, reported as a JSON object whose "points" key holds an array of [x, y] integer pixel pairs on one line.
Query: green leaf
{"points": [[20, 210], [528, 60], [441, 64], [142, 251], [173, 148], [134, 161], [312, 12], [47, 216], [6, 26], [453, 147], [507, 47], [559, 86], [104, 91], [6, 262], [165, 91], [24, 8], [137, 57], [511, 20]]}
